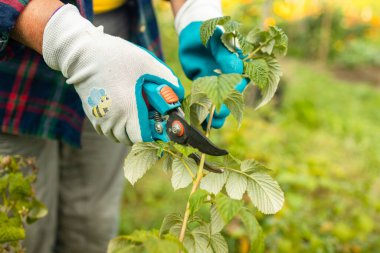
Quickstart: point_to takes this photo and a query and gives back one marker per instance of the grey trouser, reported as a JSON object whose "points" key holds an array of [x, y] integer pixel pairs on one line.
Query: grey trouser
{"points": [[80, 187]]}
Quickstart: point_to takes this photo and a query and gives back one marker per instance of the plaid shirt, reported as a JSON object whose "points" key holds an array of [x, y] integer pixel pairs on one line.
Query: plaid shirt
{"points": [[34, 100]]}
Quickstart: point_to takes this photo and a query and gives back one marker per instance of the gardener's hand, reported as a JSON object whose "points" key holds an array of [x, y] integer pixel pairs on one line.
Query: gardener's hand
{"points": [[198, 60], [107, 72]]}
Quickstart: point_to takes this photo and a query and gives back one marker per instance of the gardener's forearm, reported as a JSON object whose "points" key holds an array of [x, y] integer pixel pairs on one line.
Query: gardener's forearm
{"points": [[31, 23], [176, 5]]}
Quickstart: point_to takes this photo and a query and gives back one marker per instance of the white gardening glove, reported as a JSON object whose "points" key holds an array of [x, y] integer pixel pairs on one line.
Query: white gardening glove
{"points": [[107, 72]]}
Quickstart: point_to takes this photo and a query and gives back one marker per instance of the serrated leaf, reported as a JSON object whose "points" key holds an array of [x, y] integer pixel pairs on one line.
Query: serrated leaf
{"points": [[236, 185], [219, 87], [185, 105], [197, 199], [157, 245], [218, 243], [249, 166], [214, 182], [150, 240], [245, 46], [169, 221], [208, 27], [11, 229], [184, 150], [198, 114], [265, 193], [281, 41], [227, 208], [274, 75], [181, 177], [258, 72], [254, 231], [197, 241], [165, 162], [256, 36], [141, 158], [268, 47], [217, 222], [231, 26], [235, 103], [37, 211], [19, 187], [120, 245], [228, 41]]}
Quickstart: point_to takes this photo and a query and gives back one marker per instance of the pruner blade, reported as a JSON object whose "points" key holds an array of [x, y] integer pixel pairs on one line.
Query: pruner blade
{"points": [[183, 133]]}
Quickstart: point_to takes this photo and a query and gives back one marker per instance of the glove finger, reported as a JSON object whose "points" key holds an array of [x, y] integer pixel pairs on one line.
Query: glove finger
{"points": [[241, 86], [222, 113], [217, 122], [120, 133], [196, 60], [228, 61], [137, 126]]}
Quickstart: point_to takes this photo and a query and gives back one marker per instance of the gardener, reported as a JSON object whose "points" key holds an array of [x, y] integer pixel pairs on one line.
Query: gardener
{"points": [[41, 116]]}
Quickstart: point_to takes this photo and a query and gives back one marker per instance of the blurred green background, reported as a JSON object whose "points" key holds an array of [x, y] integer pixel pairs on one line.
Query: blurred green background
{"points": [[320, 135]]}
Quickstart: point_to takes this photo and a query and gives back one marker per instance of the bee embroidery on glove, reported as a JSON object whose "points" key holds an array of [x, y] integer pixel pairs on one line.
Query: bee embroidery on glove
{"points": [[99, 102]]}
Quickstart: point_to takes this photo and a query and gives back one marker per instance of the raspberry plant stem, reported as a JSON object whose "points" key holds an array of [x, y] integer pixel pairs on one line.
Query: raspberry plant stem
{"points": [[196, 182]]}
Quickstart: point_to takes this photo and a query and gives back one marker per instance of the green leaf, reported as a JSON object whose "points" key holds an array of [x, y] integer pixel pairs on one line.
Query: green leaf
{"points": [[235, 103], [198, 114], [281, 41], [217, 222], [157, 245], [274, 74], [231, 26], [181, 177], [256, 36], [169, 221], [120, 244], [141, 158], [184, 150], [254, 231], [219, 87], [268, 47], [214, 182], [197, 199], [19, 186], [199, 108], [198, 240], [150, 241], [11, 229], [218, 243], [185, 105], [208, 27], [258, 71], [249, 166], [37, 211], [227, 208], [165, 162], [265, 193], [245, 46], [228, 41], [236, 185]]}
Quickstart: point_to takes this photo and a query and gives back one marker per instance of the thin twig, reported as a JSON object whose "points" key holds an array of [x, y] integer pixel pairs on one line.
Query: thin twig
{"points": [[196, 182]]}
